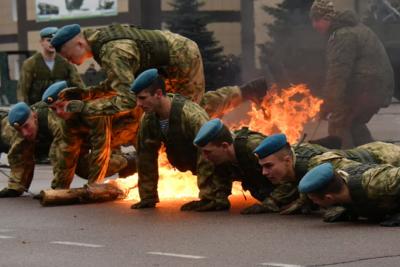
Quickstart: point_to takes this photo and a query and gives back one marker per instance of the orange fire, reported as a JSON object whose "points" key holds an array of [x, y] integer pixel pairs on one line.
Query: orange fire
{"points": [[283, 111], [280, 111]]}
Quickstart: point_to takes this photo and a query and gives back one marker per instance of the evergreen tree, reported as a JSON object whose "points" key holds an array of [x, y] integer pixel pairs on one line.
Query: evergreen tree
{"points": [[296, 52], [187, 21]]}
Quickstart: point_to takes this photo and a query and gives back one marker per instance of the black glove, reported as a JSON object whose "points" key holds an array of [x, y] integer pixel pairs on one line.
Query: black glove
{"points": [[6, 192], [254, 90], [144, 204], [392, 221]]}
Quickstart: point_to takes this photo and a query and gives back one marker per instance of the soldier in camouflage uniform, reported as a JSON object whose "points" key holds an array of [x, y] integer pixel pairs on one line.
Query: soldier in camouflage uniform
{"points": [[232, 154], [359, 78], [123, 51], [172, 120], [371, 191], [78, 134], [43, 69]]}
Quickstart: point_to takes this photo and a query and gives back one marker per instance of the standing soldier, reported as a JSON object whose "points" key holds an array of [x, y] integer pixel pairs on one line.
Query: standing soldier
{"points": [[359, 79], [124, 51], [43, 69], [174, 121]]}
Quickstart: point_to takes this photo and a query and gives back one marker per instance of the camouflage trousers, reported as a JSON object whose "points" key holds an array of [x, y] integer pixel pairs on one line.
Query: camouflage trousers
{"points": [[185, 73]]}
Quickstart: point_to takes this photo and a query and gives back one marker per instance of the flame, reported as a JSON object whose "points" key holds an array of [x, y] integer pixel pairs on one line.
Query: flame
{"points": [[284, 111]]}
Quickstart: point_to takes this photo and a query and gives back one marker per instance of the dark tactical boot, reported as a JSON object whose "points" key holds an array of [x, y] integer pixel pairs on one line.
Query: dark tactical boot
{"points": [[195, 204], [6, 192], [131, 168], [215, 205], [144, 204], [254, 90]]}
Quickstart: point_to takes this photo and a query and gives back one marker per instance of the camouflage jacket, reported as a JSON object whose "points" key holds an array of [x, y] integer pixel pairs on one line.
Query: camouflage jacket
{"points": [[36, 77], [357, 65], [374, 188], [150, 139]]}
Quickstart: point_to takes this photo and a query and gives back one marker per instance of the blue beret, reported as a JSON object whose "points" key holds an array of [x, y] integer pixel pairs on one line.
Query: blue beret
{"points": [[144, 80], [316, 178], [48, 32], [18, 114], [270, 145], [207, 132], [65, 34], [51, 94]]}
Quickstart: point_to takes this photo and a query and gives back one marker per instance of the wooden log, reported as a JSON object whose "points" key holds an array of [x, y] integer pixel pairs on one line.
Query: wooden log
{"points": [[87, 194]]}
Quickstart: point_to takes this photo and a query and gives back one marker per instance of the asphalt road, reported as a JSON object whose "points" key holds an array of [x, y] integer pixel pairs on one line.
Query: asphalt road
{"points": [[111, 234]]}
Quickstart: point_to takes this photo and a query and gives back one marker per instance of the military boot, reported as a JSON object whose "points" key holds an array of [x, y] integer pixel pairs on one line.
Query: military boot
{"points": [[131, 167], [6, 192], [254, 90]]}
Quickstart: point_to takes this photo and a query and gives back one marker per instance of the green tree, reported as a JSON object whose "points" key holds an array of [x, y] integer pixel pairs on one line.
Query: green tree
{"points": [[187, 20], [295, 53]]}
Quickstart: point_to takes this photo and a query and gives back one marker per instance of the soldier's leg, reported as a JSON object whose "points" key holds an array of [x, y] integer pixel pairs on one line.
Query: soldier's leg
{"points": [[339, 125], [221, 101], [361, 134]]}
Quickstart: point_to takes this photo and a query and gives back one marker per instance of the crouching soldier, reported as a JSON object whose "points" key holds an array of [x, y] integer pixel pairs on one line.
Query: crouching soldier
{"points": [[366, 190], [174, 121]]}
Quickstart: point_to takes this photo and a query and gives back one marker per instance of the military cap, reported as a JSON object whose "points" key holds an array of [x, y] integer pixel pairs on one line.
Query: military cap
{"points": [[65, 34], [51, 94], [48, 32], [144, 80], [207, 132], [316, 178], [18, 114], [323, 9], [270, 145]]}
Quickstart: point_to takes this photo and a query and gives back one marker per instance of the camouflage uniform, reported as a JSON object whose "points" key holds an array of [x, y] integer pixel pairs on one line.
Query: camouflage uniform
{"points": [[374, 189], [359, 79], [36, 77], [219, 102], [185, 120], [123, 56]]}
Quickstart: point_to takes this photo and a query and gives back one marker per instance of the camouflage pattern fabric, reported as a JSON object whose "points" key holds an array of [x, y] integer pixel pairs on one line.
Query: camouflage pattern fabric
{"points": [[36, 77], [219, 102], [359, 79], [150, 140], [323, 9]]}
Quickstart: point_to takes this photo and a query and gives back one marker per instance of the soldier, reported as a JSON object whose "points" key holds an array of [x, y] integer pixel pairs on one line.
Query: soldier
{"points": [[172, 120], [367, 190], [282, 163], [359, 78], [123, 51], [232, 154], [43, 69], [77, 135]]}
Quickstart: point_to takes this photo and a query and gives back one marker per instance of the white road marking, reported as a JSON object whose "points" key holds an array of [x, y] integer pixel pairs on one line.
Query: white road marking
{"points": [[176, 255], [6, 237], [275, 264], [76, 244]]}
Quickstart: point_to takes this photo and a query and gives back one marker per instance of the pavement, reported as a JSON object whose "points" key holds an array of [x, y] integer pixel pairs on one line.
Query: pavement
{"points": [[112, 234]]}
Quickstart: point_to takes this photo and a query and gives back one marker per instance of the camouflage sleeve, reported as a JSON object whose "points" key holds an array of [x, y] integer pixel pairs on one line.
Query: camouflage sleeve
{"points": [[341, 53], [382, 183], [147, 149], [74, 77], [337, 160], [25, 81], [283, 194], [219, 102]]}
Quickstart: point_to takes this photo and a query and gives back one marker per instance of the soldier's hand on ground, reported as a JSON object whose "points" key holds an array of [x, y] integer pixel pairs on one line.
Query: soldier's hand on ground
{"points": [[293, 208], [6, 192], [336, 214], [144, 204], [215, 205], [256, 209], [393, 221], [193, 205]]}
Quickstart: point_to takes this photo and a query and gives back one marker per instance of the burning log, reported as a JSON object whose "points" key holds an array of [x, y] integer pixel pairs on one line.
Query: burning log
{"points": [[87, 194]]}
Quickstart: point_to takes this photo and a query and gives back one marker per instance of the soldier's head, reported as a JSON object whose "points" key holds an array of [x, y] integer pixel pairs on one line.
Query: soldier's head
{"points": [[46, 35], [276, 158], [149, 88], [324, 186], [56, 103], [215, 142], [322, 13], [24, 120], [71, 44]]}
